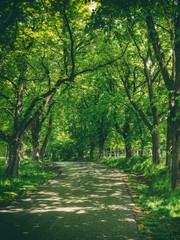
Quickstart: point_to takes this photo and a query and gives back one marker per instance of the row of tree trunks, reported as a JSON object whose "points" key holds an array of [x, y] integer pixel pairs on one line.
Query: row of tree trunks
{"points": [[173, 86], [152, 127]]}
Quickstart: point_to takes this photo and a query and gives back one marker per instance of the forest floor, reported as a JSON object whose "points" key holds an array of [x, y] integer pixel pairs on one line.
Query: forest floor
{"points": [[87, 202]]}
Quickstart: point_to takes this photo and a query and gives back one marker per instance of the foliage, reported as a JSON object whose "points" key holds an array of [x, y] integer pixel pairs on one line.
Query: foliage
{"points": [[106, 69], [30, 177], [156, 205]]}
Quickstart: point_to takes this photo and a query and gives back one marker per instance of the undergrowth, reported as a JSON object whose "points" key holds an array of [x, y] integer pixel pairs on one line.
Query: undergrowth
{"points": [[157, 206], [31, 175]]}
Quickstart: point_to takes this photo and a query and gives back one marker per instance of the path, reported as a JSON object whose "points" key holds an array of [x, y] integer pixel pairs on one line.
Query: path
{"points": [[87, 202]]}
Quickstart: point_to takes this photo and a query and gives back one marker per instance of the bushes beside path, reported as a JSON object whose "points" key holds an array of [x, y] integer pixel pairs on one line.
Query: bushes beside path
{"points": [[157, 207]]}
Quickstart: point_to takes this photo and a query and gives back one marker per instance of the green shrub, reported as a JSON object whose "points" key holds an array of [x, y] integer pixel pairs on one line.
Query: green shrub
{"points": [[151, 188], [30, 176]]}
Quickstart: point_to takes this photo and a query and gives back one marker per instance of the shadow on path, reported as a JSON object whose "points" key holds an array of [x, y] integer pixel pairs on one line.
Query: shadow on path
{"points": [[87, 202]]}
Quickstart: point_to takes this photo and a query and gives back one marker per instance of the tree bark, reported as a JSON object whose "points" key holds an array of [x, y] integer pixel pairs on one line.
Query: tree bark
{"points": [[35, 130], [102, 135], [176, 110], [152, 127], [80, 155], [128, 148], [156, 147], [142, 149], [126, 136], [91, 152], [173, 86], [101, 149], [15, 151], [46, 139], [169, 136], [15, 140]]}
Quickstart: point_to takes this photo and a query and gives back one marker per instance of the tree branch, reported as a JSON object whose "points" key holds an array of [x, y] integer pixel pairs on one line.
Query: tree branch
{"points": [[4, 136], [6, 78], [136, 107], [153, 34], [8, 99], [101, 65], [71, 46]]}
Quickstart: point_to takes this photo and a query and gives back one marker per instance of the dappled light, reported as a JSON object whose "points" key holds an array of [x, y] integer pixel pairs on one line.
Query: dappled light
{"points": [[84, 82], [86, 202]]}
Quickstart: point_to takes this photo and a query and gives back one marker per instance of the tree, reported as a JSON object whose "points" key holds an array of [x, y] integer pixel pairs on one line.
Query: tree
{"points": [[172, 82], [153, 13], [60, 32], [36, 128], [48, 51]]}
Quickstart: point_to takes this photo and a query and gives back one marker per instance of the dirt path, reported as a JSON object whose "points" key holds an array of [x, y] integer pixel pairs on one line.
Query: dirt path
{"points": [[88, 202]]}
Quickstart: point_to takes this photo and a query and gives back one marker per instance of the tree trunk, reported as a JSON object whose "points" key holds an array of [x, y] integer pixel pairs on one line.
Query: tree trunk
{"points": [[173, 86], [169, 134], [91, 153], [102, 135], [15, 152], [35, 145], [127, 135], [35, 130], [156, 149], [175, 130], [176, 156], [169, 138], [80, 155], [46, 139], [15, 142], [176, 111], [142, 150], [156, 153], [142, 147], [128, 148], [101, 149]]}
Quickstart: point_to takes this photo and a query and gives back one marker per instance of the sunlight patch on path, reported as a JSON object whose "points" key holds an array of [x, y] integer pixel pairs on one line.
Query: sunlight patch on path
{"points": [[87, 202]]}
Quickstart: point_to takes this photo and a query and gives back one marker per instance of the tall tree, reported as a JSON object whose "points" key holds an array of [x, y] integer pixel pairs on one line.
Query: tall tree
{"points": [[153, 12], [172, 82], [50, 44]]}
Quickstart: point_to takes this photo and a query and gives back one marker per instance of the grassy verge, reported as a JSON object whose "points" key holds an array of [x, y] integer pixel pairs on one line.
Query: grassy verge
{"points": [[157, 208], [31, 175]]}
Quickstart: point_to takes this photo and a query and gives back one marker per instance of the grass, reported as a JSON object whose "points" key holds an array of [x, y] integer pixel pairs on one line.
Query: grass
{"points": [[157, 208], [31, 175]]}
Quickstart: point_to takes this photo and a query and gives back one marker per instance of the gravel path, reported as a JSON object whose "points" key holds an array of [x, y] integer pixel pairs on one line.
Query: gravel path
{"points": [[87, 202]]}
